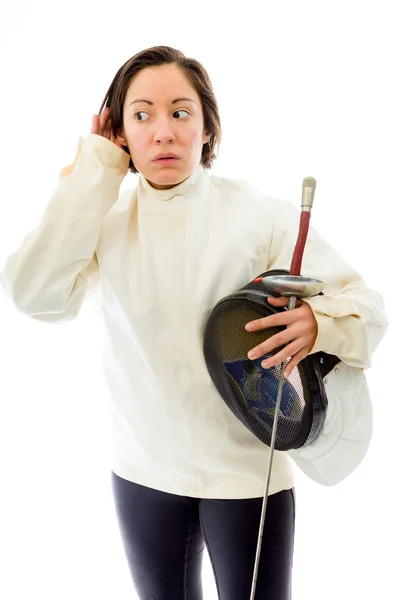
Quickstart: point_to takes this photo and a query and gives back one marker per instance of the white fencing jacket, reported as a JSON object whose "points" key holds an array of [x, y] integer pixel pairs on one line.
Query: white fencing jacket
{"points": [[159, 261]]}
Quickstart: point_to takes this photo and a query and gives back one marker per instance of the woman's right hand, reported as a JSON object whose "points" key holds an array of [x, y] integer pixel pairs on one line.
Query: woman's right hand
{"points": [[102, 126]]}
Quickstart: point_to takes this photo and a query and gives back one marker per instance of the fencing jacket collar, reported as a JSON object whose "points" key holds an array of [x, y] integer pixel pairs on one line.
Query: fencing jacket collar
{"points": [[193, 185]]}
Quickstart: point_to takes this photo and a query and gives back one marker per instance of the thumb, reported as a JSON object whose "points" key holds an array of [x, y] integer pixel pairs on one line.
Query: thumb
{"points": [[281, 301]]}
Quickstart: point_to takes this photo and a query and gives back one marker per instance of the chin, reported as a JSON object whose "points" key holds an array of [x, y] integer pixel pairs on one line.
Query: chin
{"points": [[166, 176]]}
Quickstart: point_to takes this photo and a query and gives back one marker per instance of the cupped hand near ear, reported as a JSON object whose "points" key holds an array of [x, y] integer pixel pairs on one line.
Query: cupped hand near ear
{"points": [[101, 125]]}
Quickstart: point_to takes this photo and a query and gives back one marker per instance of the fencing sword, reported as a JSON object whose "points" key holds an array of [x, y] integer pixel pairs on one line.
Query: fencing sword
{"points": [[292, 286]]}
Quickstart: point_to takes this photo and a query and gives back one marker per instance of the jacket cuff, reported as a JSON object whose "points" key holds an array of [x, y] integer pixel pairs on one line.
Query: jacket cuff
{"points": [[336, 318], [114, 156], [111, 154]]}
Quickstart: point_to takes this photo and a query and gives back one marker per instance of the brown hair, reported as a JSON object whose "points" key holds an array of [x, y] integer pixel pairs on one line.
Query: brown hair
{"points": [[195, 73]]}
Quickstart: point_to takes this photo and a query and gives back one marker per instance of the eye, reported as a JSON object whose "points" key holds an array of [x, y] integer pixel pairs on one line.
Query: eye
{"points": [[142, 112], [178, 111]]}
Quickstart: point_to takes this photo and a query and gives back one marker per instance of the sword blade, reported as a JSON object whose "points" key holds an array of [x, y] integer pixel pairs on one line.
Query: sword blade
{"points": [[291, 305]]}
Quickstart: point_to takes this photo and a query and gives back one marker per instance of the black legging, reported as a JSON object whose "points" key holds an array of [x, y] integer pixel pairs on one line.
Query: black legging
{"points": [[164, 536]]}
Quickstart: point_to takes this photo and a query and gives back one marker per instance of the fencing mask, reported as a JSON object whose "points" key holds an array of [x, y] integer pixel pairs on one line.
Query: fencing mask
{"points": [[249, 390]]}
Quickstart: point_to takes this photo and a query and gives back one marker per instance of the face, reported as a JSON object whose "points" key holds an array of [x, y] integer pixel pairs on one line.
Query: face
{"points": [[163, 114]]}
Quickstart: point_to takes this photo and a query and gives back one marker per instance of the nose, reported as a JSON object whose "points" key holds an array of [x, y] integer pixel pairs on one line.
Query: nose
{"points": [[164, 131]]}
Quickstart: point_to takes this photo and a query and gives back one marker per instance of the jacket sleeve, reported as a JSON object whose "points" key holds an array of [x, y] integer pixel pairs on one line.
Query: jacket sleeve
{"points": [[351, 317], [51, 273]]}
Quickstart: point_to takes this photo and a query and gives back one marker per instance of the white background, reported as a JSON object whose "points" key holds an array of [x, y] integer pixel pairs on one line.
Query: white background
{"points": [[304, 89]]}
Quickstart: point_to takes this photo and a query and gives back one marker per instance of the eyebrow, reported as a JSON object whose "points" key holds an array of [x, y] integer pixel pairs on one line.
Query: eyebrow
{"points": [[152, 103]]}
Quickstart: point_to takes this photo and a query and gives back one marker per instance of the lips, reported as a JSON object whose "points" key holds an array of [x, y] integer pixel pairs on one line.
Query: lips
{"points": [[165, 156], [166, 162]]}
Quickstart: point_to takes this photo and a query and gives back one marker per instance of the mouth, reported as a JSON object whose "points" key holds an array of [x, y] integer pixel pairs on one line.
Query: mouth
{"points": [[166, 160]]}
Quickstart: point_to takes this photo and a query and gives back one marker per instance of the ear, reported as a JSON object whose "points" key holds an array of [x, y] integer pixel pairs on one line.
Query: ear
{"points": [[121, 138], [206, 137]]}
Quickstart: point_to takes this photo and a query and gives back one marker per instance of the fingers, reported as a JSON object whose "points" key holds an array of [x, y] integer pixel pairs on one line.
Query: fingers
{"points": [[295, 351], [282, 318], [105, 123], [294, 361], [95, 124], [101, 125], [299, 332], [275, 341], [281, 357], [291, 350], [295, 340]]}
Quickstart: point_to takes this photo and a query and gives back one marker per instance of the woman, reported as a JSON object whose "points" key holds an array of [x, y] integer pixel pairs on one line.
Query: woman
{"points": [[185, 472]]}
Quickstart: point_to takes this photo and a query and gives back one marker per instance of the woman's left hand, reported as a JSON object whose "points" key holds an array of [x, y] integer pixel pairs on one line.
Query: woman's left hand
{"points": [[300, 334]]}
